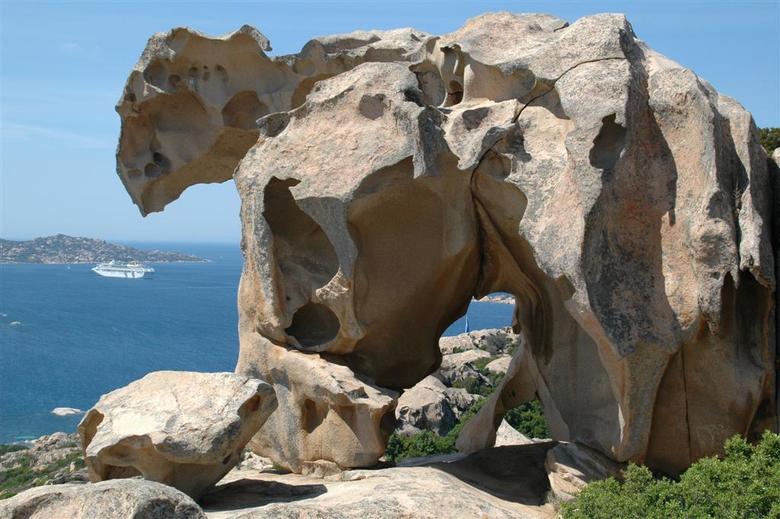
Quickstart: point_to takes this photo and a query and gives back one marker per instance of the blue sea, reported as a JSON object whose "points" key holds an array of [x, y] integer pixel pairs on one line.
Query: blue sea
{"points": [[68, 336]]}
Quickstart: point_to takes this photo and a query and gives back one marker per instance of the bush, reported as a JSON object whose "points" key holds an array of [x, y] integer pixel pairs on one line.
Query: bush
{"points": [[426, 443], [529, 420], [770, 138], [744, 484]]}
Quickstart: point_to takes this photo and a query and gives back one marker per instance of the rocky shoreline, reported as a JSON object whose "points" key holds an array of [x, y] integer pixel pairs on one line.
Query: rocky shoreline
{"points": [[63, 249]]}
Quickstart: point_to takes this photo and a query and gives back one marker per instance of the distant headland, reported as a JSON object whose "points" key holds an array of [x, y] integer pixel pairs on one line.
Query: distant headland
{"points": [[61, 248]]}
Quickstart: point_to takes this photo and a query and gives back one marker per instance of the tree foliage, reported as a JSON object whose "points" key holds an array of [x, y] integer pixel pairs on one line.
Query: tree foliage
{"points": [[529, 420], [770, 138]]}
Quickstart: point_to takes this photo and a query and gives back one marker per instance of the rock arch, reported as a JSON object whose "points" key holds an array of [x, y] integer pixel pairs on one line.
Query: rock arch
{"points": [[623, 201]]}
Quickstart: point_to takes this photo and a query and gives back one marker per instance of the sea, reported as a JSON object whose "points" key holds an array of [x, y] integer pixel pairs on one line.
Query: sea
{"points": [[67, 335]]}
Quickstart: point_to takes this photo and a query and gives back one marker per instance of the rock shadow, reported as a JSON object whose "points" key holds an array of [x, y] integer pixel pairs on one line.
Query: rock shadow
{"points": [[250, 493], [513, 473]]}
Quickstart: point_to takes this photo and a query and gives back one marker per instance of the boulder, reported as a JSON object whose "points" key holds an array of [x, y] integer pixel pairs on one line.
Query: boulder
{"points": [[117, 499], [458, 368], [571, 466], [184, 429], [499, 365], [431, 406], [387, 178]]}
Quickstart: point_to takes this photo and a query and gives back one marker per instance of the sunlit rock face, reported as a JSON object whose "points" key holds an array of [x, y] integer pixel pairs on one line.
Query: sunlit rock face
{"points": [[386, 178]]}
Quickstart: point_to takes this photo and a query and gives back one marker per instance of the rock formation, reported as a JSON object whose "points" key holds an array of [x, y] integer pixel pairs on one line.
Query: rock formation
{"points": [[184, 429], [386, 178]]}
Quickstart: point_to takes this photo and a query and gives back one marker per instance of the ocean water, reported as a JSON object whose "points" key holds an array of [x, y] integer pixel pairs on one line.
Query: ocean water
{"points": [[68, 336]]}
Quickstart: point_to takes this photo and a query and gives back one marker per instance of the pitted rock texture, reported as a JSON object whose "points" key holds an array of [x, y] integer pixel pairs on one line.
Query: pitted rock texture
{"points": [[389, 177], [184, 429]]}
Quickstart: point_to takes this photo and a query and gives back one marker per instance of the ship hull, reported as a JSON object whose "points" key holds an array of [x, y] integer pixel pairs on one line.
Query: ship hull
{"points": [[119, 274]]}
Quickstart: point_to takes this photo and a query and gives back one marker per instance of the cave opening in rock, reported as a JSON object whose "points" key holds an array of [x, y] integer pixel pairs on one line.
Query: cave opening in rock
{"points": [[313, 325], [454, 93]]}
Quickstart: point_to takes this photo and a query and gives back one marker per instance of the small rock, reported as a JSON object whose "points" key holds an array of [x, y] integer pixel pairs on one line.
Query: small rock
{"points": [[66, 411], [508, 435]]}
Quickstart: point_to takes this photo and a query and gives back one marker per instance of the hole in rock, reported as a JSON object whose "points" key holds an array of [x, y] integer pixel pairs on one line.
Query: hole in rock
{"points": [[430, 83], [273, 124], [156, 74], [243, 110], [372, 107], [608, 144], [454, 93], [152, 170], [302, 251], [116, 472], [304, 88], [174, 79], [314, 324], [312, 417], [222, 73], [473, 118]]}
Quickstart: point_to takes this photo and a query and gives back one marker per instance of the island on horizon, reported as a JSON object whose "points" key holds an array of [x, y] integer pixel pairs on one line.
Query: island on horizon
{"points": [[63, 249]]}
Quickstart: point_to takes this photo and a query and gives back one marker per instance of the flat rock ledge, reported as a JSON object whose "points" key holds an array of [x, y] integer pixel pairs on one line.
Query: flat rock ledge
{"points": [[505, 482], [184, 429]]}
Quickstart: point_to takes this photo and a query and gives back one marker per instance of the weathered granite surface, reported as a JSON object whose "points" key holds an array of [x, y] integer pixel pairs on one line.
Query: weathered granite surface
{"points": [[388, 177]]}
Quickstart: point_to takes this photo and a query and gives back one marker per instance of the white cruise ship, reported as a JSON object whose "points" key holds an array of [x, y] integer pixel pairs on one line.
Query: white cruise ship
{"points": [[114, 269]]}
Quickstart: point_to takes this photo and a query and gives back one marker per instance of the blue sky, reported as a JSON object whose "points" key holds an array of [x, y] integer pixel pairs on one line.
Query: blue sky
{"points": [[64, 65]]}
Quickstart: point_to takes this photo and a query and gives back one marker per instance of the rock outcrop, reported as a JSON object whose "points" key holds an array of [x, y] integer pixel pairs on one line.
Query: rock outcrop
{"points": [[118, 499], [184, 429], [386, 178]]}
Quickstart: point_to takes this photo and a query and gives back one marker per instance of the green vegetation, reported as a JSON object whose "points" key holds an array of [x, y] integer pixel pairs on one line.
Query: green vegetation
{"points": [[529, 420], [744, 484], [483, 385], [770, 138], [23, 476], [11, 447]]}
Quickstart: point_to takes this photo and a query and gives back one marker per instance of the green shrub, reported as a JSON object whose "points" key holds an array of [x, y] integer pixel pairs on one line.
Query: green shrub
{"points": [[529, 420], [770, 138], [744, 484], [5, 448], [426, 443], [474, 385]]}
